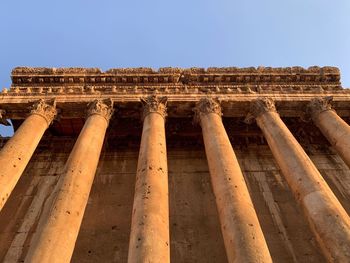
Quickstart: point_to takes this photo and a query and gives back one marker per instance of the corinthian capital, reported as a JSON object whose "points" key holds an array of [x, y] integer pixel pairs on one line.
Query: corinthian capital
{"points": [[46, 109], [3, 120], [154, 104], [258, 107], [206, 106], [318, 105], [102, 108]]}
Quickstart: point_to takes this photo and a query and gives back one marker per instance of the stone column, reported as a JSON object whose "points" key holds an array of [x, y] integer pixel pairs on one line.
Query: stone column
{"points": [[336, 130], [16, 153], [149, 237], [327, 218], [55, 240], [243, 237]]}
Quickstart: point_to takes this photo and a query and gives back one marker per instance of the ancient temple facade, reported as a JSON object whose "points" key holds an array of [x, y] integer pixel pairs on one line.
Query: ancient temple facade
{"points": [[175, 165]]}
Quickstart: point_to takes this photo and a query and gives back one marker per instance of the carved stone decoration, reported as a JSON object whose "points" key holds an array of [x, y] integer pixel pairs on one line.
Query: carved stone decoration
{"points": [[44, 77], [100, 107], [258, 107], [318, 105], [46, 109], [154, 104], [3, 120], [206, 106]]}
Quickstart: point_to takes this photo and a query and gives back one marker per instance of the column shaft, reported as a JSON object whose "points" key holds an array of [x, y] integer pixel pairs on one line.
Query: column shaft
{"points": [[243, 237], [16, 153], [149, 237], [336, 130], [55, 240], [327, 218]]}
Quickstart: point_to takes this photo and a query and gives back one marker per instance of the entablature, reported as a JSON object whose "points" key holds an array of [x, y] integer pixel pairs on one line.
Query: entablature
{"points": [[73, 88]]}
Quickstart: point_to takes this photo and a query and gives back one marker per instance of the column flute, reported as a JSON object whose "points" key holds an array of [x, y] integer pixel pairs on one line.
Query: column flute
{"points": [[17, 152], [55, 240], [327, 218], [336, 130], [243, 238], [149, 237]]}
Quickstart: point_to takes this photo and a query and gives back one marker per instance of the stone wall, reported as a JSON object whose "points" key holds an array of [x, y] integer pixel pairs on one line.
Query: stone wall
{"points": [[194, 225]]}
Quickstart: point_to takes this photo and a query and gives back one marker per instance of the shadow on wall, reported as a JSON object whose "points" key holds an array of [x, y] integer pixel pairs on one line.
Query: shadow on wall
{"points": [[6, 131]]}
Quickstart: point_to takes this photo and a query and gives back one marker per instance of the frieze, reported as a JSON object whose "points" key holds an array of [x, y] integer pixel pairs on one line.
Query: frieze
{"points": [[195, 89]]}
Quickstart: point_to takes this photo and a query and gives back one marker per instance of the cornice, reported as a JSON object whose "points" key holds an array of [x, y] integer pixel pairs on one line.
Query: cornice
{"points": [[45, 77]]}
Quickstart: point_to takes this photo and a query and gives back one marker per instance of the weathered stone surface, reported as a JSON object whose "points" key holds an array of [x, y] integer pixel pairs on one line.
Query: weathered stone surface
{"points": [[72, 88], [326, 216], [194, 224], [15, 155], [25, 75], [56, 236], [149, 237], [335, 129], [182, 209], [243, 238], [154, 104]]}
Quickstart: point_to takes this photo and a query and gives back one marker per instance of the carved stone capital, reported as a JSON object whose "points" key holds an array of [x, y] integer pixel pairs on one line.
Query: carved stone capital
{"points": [[154, 104], [206, 106], [46, 109], [3, 120], [258, 107], [102, 108], [318, 105]]}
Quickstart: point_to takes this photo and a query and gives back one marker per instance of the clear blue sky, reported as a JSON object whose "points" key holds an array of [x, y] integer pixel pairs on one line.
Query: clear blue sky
{"points": [[181, 33]]}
